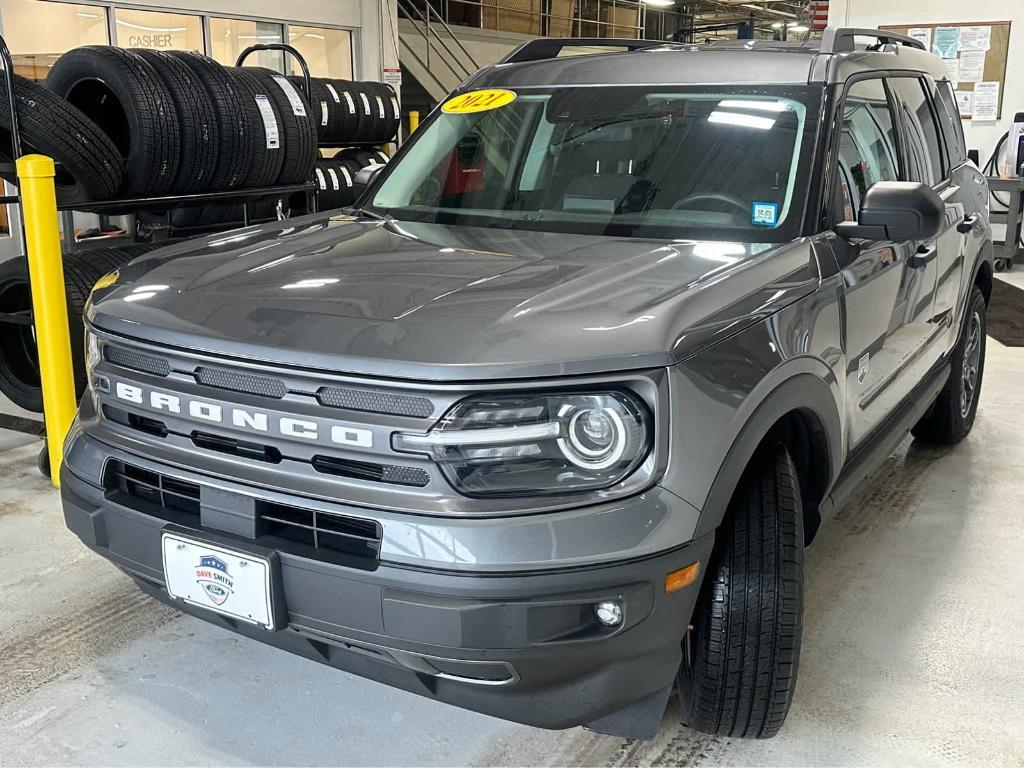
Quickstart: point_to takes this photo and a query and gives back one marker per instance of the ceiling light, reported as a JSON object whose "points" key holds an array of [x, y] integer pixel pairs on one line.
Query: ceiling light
{"points": [[660, 3], [799, 28], [778, 25], [741, 120]]}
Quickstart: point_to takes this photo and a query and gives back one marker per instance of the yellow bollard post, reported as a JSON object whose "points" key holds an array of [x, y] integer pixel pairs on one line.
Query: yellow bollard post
{"points": [[414, 120], [49, 303]]}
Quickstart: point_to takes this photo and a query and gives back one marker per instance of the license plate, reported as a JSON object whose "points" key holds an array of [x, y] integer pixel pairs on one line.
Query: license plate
{"points": [[235, 584]]}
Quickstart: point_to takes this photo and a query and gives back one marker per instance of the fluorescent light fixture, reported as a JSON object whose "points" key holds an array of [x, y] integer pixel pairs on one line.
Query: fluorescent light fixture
{"points": [[792, 23], [799, 28], [659, 3], [778, 25], [754, 104], [741, 120]]}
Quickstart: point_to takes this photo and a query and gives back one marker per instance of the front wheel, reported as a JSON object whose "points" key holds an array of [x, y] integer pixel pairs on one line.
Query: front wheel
{"points": [[741, 655], [952, 416]]}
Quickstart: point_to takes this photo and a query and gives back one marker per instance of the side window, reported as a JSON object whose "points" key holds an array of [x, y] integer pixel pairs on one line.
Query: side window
{"points": [[952, 128], [867, 146], [923, 140]]}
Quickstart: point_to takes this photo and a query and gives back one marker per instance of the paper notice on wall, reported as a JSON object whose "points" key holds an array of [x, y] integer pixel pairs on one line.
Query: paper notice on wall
{"points": [[924, 34], [972, 66], [946, 42], [393, 77], [952, 71], [986, 101], [975, 38], [965, 103]]}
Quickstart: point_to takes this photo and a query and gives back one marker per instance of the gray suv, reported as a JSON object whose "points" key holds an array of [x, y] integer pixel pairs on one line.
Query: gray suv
{"points": [[543, 428]]}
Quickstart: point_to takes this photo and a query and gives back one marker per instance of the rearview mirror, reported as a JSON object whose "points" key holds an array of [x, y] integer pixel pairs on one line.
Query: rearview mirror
{"points": [[364, 178], [897, 211]]}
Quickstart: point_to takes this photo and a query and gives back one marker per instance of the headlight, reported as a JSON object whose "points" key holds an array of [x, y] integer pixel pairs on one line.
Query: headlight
{"points": [[540, 443]]}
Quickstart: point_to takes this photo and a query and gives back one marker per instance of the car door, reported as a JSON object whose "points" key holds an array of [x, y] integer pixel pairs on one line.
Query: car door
{"points": [[927, 162], [888, 295]]}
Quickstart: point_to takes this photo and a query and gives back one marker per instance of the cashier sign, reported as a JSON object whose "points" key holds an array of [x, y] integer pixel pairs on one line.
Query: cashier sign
{"points": [[478, 101]]}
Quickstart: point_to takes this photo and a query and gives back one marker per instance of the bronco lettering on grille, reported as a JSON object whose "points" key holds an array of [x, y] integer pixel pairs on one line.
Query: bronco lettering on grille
{"points": [[242, 418]]}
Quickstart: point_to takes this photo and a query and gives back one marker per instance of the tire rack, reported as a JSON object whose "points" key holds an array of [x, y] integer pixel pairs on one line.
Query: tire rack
{"points": [[122, 206]]}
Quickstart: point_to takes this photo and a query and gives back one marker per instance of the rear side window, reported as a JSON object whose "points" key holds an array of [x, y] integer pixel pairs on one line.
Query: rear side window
{"points": [[924, 147], [952, 128], [867, 146]]}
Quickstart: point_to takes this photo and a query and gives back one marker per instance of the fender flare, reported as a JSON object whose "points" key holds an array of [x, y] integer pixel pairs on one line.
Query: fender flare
{"points": [[801, 392]]}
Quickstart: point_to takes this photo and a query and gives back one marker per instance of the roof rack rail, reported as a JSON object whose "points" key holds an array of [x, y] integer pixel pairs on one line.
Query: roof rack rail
{"points": [[549, 47], [841, 39]]}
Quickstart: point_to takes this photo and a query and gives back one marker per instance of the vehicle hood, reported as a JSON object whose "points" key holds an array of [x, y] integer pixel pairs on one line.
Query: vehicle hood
{"points": [[426, 301]]}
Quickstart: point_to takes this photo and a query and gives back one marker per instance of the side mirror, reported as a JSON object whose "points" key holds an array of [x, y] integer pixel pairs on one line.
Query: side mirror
{"points": [[897, 211], [364, 178]]}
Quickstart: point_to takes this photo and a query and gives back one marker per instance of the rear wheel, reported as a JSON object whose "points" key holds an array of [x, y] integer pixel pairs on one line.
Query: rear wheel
{"points": [[952, 416], [741, 655]]}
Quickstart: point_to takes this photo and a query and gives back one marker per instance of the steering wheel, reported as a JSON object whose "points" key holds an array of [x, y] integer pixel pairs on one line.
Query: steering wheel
{"points": [[714, 197]]}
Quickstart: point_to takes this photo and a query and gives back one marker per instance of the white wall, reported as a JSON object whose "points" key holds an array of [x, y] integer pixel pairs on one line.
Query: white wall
{"points": [[873, 13]]}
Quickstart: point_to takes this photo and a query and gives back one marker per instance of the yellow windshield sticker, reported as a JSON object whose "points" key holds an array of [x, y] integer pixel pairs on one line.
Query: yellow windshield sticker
{"points": [[478, 101]]}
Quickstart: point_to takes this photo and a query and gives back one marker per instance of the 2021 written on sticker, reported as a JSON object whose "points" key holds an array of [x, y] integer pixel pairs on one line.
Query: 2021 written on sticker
{"points": [[478, 101]]}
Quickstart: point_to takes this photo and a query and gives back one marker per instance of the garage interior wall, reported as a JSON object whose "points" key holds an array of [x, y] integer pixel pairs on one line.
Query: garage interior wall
{"points": [[873, 13]]}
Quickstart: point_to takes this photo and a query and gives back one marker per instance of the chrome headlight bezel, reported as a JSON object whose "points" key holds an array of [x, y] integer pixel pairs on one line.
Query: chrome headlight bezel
{"points": [[531, 443]]}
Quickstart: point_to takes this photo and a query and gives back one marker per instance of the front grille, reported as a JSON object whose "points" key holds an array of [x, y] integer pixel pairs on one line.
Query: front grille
{"points": [[310, 533], [229, 445], [368, 470], [321, 530], [241, 382], [375, 402], [136, 361], [165, 497]]}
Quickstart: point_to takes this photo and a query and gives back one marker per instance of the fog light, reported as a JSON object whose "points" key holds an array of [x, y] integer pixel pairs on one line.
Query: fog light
{"points": [[608, 613]]}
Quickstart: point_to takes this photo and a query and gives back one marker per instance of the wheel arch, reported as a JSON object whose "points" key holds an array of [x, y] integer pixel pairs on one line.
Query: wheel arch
{"points": [[801, 414]]}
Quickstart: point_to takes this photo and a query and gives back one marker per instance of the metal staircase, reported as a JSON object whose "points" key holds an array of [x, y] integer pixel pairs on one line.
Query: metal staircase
{"points": [[430, 51]]}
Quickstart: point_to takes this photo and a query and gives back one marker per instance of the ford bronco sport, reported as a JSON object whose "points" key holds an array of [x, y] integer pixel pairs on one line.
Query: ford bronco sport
{"points": [[543, 428]]}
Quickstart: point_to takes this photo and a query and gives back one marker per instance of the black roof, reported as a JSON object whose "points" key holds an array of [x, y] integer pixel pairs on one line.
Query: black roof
{"points": [[832, 59]]}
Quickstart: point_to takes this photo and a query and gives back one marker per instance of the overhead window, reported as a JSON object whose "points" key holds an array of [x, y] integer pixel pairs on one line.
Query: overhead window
{"points": [[159, 31], [39, 32], [229, 37], [328, 52]]}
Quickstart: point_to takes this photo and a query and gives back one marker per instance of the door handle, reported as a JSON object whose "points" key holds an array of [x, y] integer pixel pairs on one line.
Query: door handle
{"points": [[967, 224], [924, 255]]}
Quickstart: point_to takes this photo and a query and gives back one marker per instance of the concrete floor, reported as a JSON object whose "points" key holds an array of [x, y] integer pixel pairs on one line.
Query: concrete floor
{"points": [[913, 649]]}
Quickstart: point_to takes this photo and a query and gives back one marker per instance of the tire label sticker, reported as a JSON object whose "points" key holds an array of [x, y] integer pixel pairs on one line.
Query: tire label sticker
{"points": [[334, 93], [269, 121], [347, 175], [380, 108], [478, 101], [334, 179], [293, 96], [320, 179], [323, 113], [394, 106], [366, 104], [351, 104]]}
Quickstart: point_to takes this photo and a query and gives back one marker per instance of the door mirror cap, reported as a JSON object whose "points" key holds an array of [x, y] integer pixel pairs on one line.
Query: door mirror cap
{"points": [[364, 178], [898, 211]]}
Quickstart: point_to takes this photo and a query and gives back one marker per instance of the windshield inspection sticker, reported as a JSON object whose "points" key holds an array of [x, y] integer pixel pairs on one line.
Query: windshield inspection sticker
{"points": [[765, 214], [478, 101]]}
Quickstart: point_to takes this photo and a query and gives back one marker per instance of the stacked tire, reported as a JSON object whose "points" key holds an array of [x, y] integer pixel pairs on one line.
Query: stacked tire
{"points": [[352, 112], [179, 122], [19, 360], [335, 176]]}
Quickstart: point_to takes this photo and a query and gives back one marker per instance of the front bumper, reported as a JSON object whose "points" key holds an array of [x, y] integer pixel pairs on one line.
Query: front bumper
{"points": [[524, 646]]}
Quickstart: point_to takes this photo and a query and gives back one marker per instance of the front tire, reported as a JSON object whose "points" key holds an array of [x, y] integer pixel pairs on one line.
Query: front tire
{"points": [[952, 416], [740, 658]]}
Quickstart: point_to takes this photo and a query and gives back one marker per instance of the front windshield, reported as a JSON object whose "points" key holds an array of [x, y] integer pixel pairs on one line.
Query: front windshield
{"points": [[707, 162]]}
